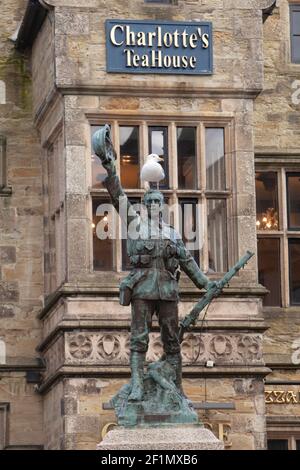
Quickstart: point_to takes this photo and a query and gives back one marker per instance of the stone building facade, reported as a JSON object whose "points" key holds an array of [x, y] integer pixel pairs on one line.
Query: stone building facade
{"points": [[64, 337]]}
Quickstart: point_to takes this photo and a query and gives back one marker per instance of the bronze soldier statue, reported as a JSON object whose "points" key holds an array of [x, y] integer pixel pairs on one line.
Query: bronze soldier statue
{"points": [[151, 287]]}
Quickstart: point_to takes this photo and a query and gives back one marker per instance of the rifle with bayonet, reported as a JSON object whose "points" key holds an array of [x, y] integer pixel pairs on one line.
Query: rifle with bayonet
{"points": [[211, 293]]}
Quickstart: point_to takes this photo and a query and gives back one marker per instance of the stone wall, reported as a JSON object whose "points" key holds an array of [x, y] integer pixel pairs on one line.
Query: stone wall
{"points": [[53, 418], [282, 340], [80, 43], [277, 114], [86, 422], [24, 417], [21, 238], [276, 132], [85, 337], [42, 67]]}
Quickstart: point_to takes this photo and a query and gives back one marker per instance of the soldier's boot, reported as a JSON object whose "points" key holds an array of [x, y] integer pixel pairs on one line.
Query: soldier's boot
{"points": [[137, 360], [176, 361]]}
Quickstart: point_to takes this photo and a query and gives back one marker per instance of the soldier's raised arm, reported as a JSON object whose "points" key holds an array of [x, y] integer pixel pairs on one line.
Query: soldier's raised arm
{"points": [[104, 149]]}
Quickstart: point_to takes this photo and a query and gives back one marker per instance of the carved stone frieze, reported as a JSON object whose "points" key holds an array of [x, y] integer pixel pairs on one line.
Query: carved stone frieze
{"points": [[96, 348], [221, 346], [248, 347], [113, 348], [80, 346]]}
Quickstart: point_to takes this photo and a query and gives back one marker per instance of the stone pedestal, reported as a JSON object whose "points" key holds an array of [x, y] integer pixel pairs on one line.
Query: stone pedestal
{"points": [[184, 437]]}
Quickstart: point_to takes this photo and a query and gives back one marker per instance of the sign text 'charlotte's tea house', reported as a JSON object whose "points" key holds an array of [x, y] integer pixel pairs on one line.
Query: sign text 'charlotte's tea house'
{"points": [[159, 47]]}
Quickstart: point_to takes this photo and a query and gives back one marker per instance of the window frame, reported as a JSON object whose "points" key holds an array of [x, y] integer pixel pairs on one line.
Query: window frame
{"points": [[282, 168], [272, 237], [2, 162], [290, 436], [197, 163], [294, 7], [5, 190], [103, 199], [139, 154], [200, 122], [4, 425], [289, 226], [166, 156], [133, 201], [292, 303], [283, 427], [190, 200]]}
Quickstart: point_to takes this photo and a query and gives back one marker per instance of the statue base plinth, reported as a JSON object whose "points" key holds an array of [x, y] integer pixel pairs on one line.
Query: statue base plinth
{"points": [[162, 402], [183, 437]]}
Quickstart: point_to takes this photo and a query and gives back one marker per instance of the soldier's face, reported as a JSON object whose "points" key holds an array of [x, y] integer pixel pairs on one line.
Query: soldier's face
{"points": [[153, 205]]}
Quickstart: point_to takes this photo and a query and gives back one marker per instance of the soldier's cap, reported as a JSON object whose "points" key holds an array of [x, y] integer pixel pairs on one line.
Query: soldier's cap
{"points": [[152, 192]]}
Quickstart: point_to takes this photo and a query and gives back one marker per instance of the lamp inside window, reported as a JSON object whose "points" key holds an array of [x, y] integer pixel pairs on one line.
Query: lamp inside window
{"points": [[267, 201]]}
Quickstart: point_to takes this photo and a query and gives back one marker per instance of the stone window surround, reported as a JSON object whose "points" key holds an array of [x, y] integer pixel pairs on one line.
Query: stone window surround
{"points": [[80, 277], [173, 193], [284, 427], [264, 163], [283, 435]]}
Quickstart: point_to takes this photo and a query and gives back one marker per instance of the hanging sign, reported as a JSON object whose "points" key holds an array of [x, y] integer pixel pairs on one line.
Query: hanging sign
{"points": [[157, 47]]}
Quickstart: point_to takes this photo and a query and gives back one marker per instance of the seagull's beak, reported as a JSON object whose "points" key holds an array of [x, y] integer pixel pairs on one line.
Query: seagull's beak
{"points": [[160, 159]]}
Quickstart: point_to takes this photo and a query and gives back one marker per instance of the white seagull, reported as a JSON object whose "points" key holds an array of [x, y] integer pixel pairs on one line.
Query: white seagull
{"points": [[152, 171]]}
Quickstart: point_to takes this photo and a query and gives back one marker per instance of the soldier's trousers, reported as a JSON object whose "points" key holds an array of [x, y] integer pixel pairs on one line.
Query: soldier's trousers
{"points": [[142, 312]]}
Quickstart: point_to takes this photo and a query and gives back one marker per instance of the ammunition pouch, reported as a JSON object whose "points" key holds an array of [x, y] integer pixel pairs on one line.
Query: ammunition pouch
{"points": [[127, 285], [142, 261], [125, 295]]}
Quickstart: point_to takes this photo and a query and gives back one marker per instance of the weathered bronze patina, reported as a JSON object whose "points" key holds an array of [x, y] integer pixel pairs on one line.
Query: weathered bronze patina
{"points": [[156, 256]]}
